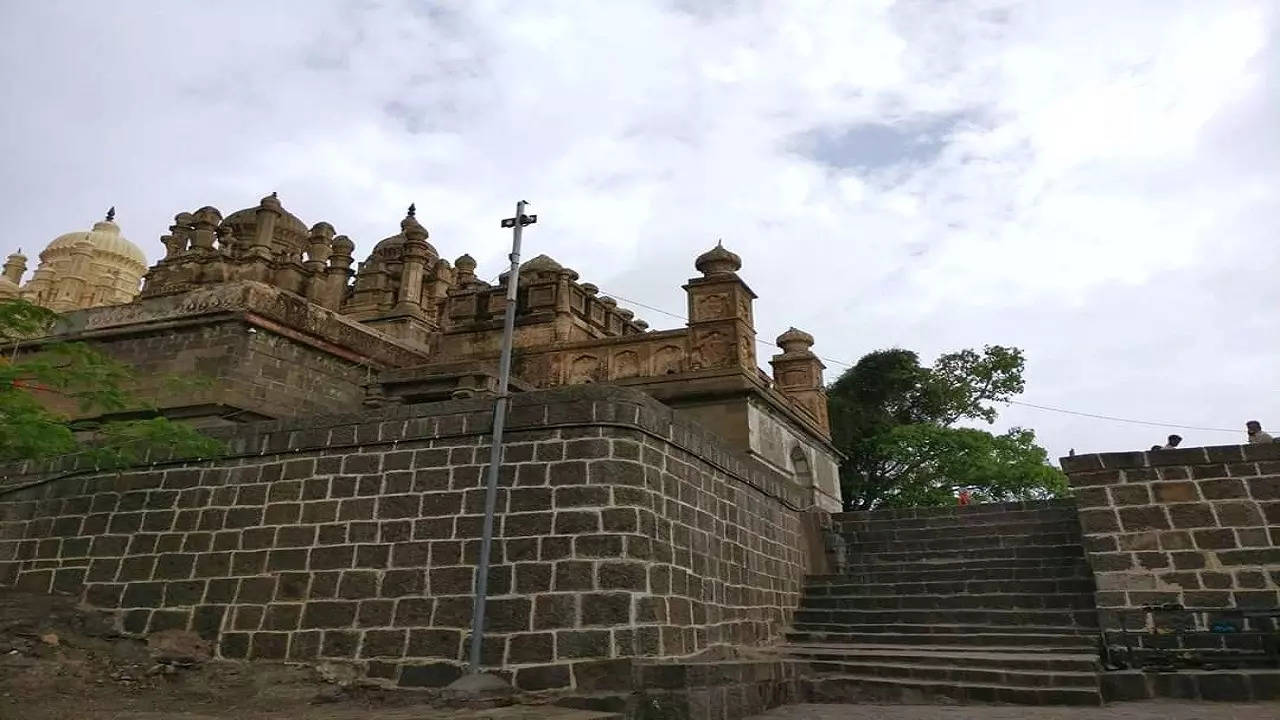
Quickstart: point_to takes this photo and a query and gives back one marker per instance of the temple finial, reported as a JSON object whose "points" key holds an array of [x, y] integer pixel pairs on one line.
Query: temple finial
{"points": [[719, 242], [413, 209], [273, 194], [111, 213]]}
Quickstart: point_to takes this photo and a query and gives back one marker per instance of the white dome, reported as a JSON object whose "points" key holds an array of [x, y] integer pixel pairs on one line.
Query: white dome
{"points": [[105, 237]]}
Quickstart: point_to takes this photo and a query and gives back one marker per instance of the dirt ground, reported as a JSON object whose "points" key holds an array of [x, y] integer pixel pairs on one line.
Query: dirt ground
{"points": [[58, 662]]}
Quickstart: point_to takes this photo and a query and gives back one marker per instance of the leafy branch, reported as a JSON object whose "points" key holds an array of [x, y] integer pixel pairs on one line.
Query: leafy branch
{"points": [[95, 383]]}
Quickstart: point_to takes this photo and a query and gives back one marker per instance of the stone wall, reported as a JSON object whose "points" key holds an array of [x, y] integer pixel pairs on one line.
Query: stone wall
{"points": [[1196, 527], [237, 368], [261, 352], [624, 533]]}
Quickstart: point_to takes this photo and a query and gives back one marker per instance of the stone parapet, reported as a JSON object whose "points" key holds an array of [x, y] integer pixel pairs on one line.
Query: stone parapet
{"points": [[266, 306], [1191, 527], [623, 532]]}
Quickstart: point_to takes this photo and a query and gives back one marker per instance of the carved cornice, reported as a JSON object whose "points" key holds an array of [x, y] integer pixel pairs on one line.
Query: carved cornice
{"points": [[255, 302]]}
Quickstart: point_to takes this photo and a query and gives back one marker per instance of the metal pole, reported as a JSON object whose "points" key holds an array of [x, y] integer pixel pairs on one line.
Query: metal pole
{"points": [[495, 449]]}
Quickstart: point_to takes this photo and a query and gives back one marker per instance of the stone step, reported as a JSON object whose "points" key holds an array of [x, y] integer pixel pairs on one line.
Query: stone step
{"points": [[961, 554], [979, 570], [968, 601], [893, 533], [866, 688], [1044, 660], [986, 512], [1044, 618], [993, 569], [863, 546], [942, 650], [942, 630], [955, 519], [885, 668], [1052, 585], [1026, 639]]}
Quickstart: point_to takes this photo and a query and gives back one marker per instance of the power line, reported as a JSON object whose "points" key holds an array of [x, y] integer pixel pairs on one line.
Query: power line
{"points": [[1119, 419], [637, 303], [1047, 408]]}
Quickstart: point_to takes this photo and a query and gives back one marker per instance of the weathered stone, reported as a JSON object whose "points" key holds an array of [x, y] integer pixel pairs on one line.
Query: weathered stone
{"points": [[178, 646]]}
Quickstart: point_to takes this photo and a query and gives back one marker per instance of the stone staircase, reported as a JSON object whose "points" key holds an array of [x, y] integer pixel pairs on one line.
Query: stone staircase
{"points": [[982, 603]]}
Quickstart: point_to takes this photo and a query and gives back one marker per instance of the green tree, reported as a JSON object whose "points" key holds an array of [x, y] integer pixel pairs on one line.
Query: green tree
{"points": [[89, 379], [895, 421]]}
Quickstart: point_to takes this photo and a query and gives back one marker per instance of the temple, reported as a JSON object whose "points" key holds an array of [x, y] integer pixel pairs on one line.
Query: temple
{"points": [[79, 270], [272, 316]]}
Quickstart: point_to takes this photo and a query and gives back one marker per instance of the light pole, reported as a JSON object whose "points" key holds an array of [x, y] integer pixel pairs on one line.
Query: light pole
{"points": [[473, 681]]}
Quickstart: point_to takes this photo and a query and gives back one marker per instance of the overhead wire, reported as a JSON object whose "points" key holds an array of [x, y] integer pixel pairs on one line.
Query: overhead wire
{"points": [[1020, 403], [1047, 408]]}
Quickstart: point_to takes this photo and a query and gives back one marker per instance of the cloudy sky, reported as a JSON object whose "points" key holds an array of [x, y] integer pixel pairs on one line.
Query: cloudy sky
{"points": [[1094, 181]]}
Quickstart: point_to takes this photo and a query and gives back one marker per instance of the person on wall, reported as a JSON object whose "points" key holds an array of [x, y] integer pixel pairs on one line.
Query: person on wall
{"points": [[1256, 435]]}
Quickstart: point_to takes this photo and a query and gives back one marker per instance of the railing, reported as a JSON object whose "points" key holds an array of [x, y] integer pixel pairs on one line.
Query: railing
{"points": [[1172, 637]]}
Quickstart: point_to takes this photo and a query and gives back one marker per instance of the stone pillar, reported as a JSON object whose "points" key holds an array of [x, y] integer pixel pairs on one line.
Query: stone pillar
{"points": [[204, 233], [38, 289], [721, 333], [564, 312], [797, 372], [319, 250], [416, 255], [204, 229], [260, 252], [71, 289], [465, 274], [338, 274], [15, 266], [439, 281]]}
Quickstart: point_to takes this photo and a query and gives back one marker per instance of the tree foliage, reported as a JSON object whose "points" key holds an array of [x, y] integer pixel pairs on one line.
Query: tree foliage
{"points": [[896, 422], [89, 379]]}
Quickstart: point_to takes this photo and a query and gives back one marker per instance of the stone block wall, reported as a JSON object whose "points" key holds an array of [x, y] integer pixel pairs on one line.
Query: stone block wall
{"points": [[622, 534], [264, 353], [235, 366], [1196, 527]]}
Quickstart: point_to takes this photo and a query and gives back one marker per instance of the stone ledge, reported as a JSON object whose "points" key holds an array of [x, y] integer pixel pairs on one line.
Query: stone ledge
{"points": [[1213, 685], [252, 302], [573, 406], [1176, 456]]}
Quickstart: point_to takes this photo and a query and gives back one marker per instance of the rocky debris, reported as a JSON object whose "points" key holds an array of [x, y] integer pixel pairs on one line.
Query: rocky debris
{"points": [[180, 648], [337, 673]]}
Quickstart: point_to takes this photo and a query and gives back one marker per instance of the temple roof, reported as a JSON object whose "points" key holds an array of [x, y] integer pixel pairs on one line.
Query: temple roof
{"points": [[718, 261], [105, 237], [241, 220]]}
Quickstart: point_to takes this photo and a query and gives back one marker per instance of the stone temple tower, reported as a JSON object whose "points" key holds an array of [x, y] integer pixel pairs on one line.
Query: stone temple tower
{"points": [[80, 270]]}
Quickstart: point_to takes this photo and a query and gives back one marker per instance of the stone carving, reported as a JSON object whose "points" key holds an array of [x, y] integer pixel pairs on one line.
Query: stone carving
{"points": [[218, 297], [711, 349], [710, 307], [291, 311], [626, 364], [666, 361], [585, 369]]}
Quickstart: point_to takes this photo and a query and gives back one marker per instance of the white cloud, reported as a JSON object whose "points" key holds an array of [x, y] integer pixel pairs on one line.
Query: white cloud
{"points": [[1101, 192]]}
